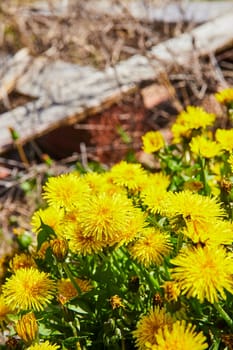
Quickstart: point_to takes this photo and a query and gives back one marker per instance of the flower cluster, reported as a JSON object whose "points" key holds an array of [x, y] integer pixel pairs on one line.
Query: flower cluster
{"points": [[130, 258]]}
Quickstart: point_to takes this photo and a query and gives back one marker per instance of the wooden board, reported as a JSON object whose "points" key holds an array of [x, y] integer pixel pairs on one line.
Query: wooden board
{"points": [[67, 93]]}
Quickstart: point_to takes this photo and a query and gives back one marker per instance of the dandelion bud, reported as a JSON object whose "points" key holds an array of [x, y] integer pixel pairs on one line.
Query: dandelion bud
{"points": [[27, 327], [116, 302], [60, 249]]}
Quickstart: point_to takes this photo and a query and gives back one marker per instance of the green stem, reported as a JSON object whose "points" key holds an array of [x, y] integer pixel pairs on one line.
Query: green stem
{"points": [[71, 277], [179, 242], [224, 314], [204, 176]]}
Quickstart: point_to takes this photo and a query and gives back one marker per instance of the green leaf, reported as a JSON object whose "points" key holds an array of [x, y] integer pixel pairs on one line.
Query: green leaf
{"points": [[45, 233]]}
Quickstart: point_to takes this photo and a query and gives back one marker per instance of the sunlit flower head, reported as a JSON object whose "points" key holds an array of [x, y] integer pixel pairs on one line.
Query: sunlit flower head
{"points": [[65, 191], [5, 310], [66, 290], [151, 247], [149, 325], [153, 197], [225, 96], [22, 260], [51, 216], [225, 138], [153, 141], [96, 182], [134, 227], [104, 217], [44, 346], [204, 273], [214, 232], [199, 145], [27, 327], [84, 245], [192, 207], [28, 289], [159, 179], [181, 336], [129, 175], [192, 118]]}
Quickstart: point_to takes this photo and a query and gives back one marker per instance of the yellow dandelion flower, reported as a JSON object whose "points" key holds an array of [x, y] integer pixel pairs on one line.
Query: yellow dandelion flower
{"points": [[171, 291], [149, 325], [84, 245], [129, 175], [159, 180], [96, 182], [116, 302], [181, 336], [151, 248], [41, 253], [214, 232], [192, 207], [51, 216], [153, 141], [44, 346], [225, 138], [28, 289], [225, 96], [199, 145], [104, 217], [65, 191], [22, 261], [27, 327], [5, 310], [66, 291], [133, 228], [153, 198], [59, 248], [192, 118], [204, 273]]}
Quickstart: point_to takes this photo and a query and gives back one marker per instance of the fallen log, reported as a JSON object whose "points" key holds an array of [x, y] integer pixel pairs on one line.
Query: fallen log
{"points": [[67, 93]]}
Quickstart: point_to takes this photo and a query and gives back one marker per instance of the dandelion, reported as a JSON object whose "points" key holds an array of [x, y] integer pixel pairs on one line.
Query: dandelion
{"points": [[66, 290], [225, 138], [52, 217], [65, 191], [44, 346], [193, 118], [105, 217], [28, 289], [214, 232], [192, 207], [27, 327], [151, 248], [83, 245], [180, 336], [5, 310], [200, 146], [133, 228], [116, 302], [129, 175], [153, 197], [149, 325], [153, 141], [171, 291], [204, 273], [225, 96], [59, 248], [20, 261]]}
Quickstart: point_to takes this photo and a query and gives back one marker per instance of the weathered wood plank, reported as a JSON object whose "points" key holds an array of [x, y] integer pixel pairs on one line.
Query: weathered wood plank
{"points": [[66, 99]]}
